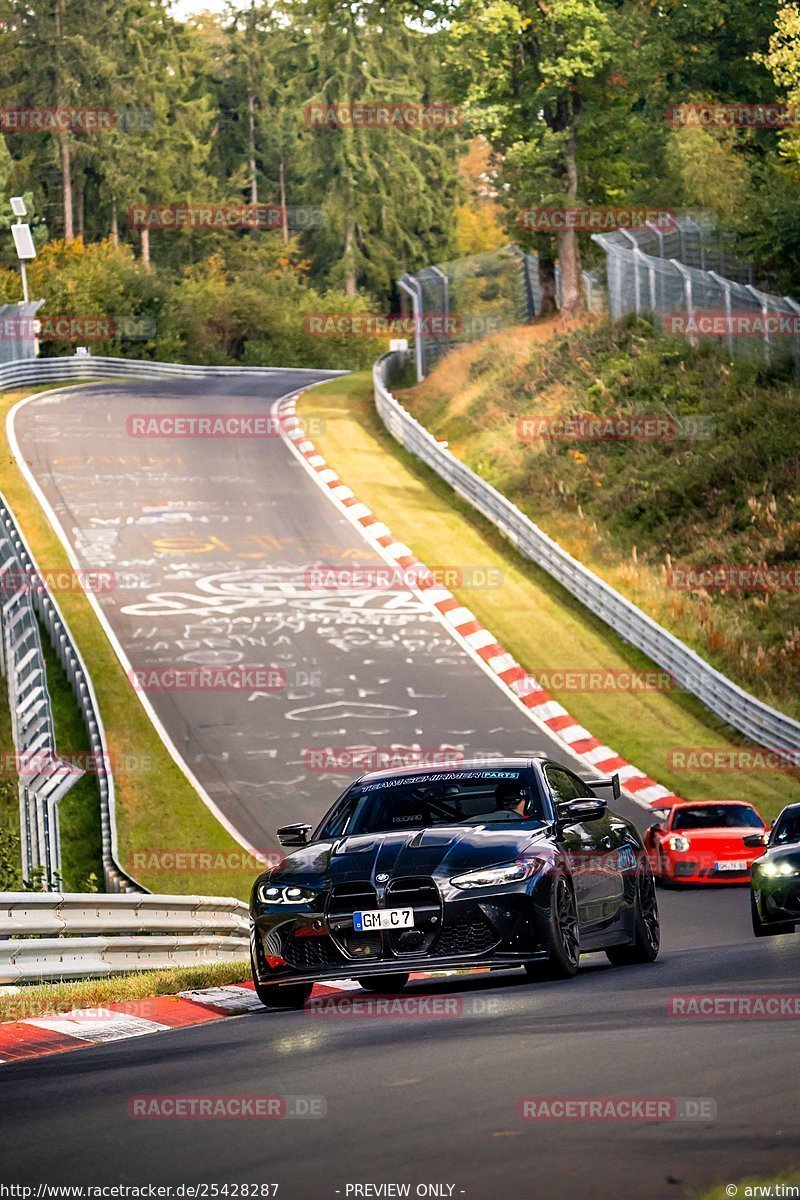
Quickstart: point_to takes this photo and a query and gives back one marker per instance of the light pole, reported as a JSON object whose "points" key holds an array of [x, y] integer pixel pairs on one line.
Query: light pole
{"points": [[23, 242]]}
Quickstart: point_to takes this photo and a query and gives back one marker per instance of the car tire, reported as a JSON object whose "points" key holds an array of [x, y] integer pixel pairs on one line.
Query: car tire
{"points": [[760, 928], [288, 995], [273, 995], [563, 936], [384, 983], [646, 927]]}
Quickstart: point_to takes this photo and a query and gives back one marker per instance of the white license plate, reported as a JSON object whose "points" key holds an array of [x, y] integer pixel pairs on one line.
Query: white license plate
{"points": [[733, 866], [383, 918]]}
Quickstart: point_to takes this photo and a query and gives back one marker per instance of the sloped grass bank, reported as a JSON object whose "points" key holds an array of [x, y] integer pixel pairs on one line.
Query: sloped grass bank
{"points": [[717, 484]]}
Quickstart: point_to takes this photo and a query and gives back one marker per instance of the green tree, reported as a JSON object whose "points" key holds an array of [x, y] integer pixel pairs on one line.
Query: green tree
{"points": [[533, 70], [62, 56], [388, 195], [782, 59]]}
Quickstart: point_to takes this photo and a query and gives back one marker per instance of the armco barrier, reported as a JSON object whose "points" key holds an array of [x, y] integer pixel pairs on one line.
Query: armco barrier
{"points": [[758, 721], [125, 933], [48, 778], [32, 718], [61, 370]]}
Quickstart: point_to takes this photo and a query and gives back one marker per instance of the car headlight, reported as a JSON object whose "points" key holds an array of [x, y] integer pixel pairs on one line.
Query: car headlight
{"points": [[497, 876], [772, 869], [271, 893], [679, 843]]}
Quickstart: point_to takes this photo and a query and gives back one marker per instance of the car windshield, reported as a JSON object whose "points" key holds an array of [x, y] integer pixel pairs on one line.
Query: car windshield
{"points": [[787, 830], [424, 800], [717, 816]]}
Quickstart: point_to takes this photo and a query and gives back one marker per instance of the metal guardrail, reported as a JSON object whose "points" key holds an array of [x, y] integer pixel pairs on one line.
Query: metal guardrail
{"points": [[32, 717], [738, 708], [86, 366], [95, 935]]}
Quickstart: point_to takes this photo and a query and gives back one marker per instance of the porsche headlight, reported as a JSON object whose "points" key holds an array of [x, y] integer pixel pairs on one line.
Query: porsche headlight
{"points": [[271, 893], [497, 876], [679, 843]]}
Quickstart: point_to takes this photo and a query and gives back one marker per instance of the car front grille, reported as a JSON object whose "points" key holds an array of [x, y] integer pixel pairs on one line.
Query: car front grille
{"points": [[344, 900], [308, 952], [421, 894], [417, 892], [347, 898], [414, 892], [469, 935]]}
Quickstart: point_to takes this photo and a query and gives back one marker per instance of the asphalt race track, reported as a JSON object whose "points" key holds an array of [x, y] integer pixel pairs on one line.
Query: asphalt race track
{"points": [[211, 541], [222, 533]]}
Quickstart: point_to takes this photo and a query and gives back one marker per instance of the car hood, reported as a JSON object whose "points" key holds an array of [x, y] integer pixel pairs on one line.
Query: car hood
{"points": [[443, 851]]}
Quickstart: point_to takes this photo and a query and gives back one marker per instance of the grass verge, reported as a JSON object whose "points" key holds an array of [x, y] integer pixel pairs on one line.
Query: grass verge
{"points": [[537, 620], [157, 807], [10, 873], [38, 1000]]}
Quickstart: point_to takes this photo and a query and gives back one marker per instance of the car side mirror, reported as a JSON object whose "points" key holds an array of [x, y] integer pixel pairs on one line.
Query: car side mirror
{"points": [[657, 828], [294, 835], [576, 811], [755, 839]]}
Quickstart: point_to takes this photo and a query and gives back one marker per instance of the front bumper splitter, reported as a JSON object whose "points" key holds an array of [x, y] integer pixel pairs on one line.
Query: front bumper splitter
{"points": [[351, 970]]}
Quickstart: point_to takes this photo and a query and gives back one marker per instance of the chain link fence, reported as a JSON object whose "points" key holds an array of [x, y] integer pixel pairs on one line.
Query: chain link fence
{"points": [[688, 279], [466, 299]]}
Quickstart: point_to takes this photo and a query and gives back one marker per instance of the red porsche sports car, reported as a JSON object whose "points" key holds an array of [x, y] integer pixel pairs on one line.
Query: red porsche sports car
{"points": [[706, 843]]}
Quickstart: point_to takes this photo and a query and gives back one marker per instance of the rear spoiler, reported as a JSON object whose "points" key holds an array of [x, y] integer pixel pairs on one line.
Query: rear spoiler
{"points": [[611, 781]]}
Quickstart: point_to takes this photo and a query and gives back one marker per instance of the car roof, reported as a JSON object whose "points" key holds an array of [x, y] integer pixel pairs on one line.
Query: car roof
{"points": [[469, 764], [711, 804]]}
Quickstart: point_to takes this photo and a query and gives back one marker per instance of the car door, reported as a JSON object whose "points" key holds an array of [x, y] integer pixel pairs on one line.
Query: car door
{"points": [[593, 849], [577, 839]]}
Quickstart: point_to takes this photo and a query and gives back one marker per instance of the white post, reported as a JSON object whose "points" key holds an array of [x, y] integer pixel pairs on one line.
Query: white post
{"points": [[762, 302], [795, 308], [687, 292], [407, 284], [726, 289]]}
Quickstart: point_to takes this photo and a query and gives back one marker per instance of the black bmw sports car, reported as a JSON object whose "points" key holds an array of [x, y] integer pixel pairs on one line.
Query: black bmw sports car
{"points": [[513, 864], [775, 878]]}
